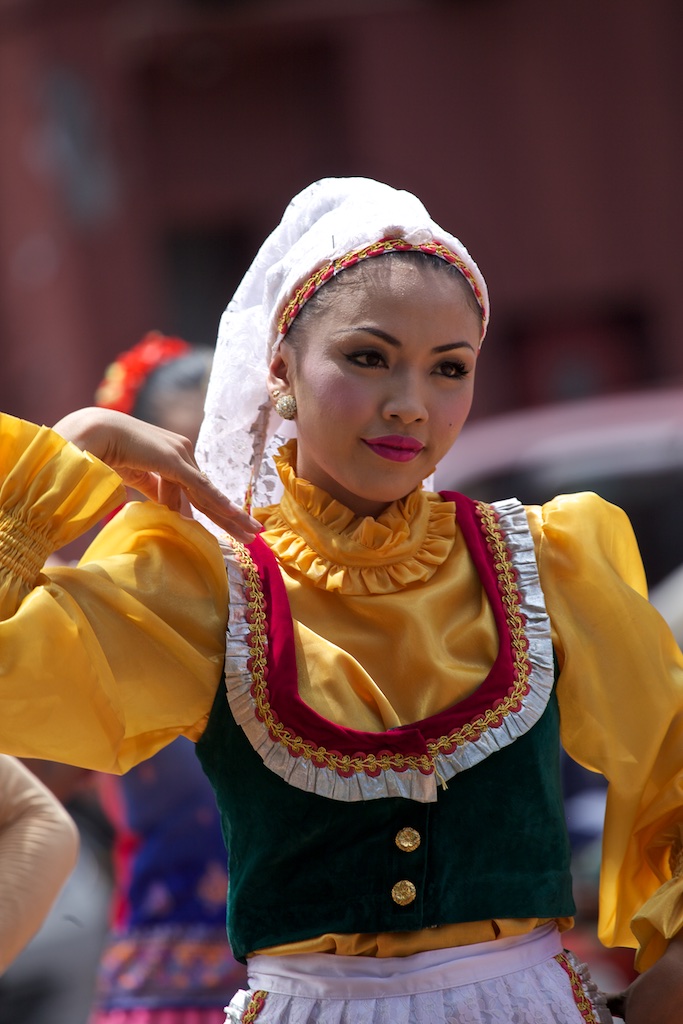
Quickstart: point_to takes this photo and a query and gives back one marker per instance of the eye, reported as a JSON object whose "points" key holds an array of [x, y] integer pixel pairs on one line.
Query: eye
{"points": [[453, 368], [367, 357]]}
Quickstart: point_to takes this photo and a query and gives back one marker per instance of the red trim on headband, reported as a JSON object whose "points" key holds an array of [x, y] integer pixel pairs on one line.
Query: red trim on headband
{"points": [[385, 245]]}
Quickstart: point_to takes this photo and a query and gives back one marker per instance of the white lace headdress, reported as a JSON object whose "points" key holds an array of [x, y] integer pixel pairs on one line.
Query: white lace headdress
{"points": [[329, 226]]}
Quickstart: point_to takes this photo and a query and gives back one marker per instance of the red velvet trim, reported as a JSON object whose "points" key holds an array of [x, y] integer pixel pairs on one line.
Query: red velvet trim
{"points": [[301, 719], [283, 692]]}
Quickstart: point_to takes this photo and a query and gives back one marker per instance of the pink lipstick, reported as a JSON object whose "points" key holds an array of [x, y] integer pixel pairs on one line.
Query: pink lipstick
{"points": [[395, 447]]}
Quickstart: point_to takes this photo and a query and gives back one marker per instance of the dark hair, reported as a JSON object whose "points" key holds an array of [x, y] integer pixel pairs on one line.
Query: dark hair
{"points": [[319, 299], [186, 373]]}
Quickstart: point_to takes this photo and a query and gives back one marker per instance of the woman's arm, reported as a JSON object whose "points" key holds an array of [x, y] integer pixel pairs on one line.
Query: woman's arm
{"points": [[38, 850], [105, 663], [657, 995], [621, 703]]}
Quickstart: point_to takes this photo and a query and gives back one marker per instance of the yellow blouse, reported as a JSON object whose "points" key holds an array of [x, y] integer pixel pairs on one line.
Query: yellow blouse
{"points": [[101, 665]]}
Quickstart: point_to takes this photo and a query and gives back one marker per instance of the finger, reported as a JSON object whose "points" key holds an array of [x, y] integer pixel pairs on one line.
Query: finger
{"points": [[240, 526], [170, 494], [201, 493], [142, 481], [616, 1003], [221, 510]]}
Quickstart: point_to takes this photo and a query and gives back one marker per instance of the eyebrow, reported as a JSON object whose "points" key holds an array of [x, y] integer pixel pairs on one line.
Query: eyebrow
{"points": [[391, 340]]}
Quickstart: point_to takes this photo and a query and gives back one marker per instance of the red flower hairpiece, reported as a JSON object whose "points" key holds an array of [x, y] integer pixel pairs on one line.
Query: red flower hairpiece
{"points": [[124, 378]]}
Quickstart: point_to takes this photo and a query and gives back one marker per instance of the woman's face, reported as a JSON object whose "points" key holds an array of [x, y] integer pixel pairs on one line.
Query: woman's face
{"points": [[383, 376]]}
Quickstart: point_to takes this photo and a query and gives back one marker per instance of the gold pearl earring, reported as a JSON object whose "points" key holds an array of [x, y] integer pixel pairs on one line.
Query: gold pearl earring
{"points": [[285, 405]]}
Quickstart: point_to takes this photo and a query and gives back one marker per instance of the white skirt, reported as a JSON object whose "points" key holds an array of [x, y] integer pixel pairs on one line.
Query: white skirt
{"points": [[526, 979]]}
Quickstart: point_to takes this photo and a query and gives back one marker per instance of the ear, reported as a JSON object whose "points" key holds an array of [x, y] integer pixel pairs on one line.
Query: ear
{"points": [[279, 371]]}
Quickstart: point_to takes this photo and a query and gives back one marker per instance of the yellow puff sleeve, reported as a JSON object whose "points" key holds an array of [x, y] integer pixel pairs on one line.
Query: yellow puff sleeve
{"points": [[103, 664], [621, 704]]}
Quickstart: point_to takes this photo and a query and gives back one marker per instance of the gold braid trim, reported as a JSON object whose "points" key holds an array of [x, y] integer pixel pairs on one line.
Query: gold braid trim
{"points": [[350, 259], [583, 1003], [254, 1006], [347, 765]]}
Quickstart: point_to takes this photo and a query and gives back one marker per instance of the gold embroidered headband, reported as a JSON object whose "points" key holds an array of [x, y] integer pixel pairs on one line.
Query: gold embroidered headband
{"points": [[311, 285]]}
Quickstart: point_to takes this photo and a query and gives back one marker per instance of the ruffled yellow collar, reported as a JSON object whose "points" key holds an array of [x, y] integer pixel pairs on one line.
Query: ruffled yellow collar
{"points": [[337, 550]]}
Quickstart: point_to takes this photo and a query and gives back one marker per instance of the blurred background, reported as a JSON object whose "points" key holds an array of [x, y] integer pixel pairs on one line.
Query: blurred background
{"points": [[148, 146]]}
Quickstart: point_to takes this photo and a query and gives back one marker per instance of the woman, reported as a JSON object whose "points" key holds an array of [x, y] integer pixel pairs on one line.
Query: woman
{"points": [[385, 762]]}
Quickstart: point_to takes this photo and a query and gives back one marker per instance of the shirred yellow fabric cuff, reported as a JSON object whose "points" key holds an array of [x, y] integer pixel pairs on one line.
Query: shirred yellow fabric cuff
{"points": [[50, 495]]}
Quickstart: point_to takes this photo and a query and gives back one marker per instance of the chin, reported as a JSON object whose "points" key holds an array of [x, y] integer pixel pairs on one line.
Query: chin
{"points": [[371, 496], [380, 500]]}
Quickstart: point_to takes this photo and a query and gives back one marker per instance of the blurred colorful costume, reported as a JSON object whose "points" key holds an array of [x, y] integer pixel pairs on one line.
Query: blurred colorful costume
{"points": [[168, 947]]}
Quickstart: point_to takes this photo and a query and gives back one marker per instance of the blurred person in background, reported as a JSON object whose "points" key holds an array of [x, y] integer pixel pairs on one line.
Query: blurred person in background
{"points": [[38, 851], [52, 980], [167, 960]]}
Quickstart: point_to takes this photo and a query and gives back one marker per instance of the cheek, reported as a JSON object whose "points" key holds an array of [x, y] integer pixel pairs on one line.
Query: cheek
{"points": [[453, 418], [332, 396]]}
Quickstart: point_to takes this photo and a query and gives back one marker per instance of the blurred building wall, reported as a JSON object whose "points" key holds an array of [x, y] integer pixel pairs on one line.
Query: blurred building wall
{"points": [[147, 147]]}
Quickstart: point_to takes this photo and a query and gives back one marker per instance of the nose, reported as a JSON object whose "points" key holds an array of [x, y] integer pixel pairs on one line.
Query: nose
{"points": [[406, 401]]}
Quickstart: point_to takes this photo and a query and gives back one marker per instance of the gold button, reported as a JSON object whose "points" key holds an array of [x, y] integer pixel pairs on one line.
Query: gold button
{"points": [[408, 839], [403, 893]]}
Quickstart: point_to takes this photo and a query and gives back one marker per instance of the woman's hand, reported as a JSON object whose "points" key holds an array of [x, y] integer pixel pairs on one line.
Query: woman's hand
{"points": [[156, 462], [657, 995]]}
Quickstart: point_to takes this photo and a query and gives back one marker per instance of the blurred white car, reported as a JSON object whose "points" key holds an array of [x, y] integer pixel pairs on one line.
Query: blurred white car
{"points": [[628, 448]]}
